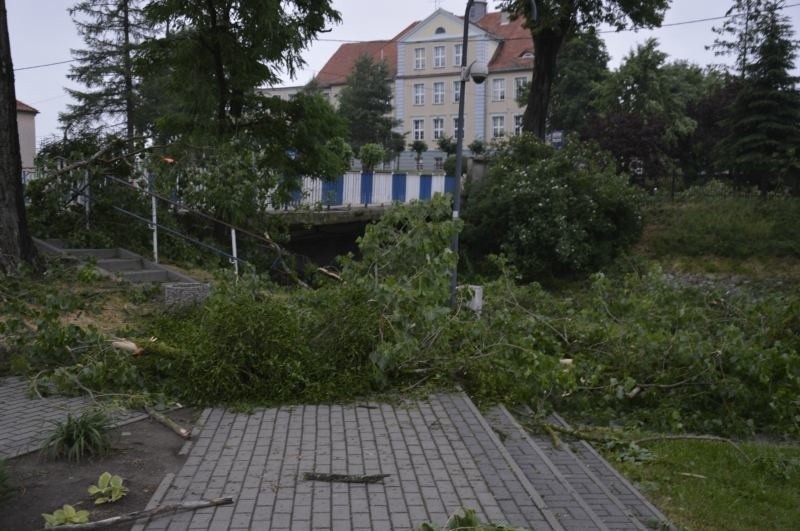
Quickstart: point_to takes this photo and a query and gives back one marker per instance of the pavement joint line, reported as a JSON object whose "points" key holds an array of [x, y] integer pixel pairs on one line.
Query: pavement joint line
{"points": [[155, 501]]}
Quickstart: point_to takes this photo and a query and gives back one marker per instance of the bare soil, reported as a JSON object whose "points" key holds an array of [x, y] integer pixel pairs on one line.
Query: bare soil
{"points": [[143, 453]]}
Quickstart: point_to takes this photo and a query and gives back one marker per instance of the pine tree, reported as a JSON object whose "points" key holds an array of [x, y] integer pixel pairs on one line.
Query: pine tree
{"points": [[763, 145], [111, 30], [738, 35], [365, 103]]}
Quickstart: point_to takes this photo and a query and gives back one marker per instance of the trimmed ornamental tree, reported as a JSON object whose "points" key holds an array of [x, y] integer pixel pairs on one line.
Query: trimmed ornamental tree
{"points": [[370, 155], [419, 147]]}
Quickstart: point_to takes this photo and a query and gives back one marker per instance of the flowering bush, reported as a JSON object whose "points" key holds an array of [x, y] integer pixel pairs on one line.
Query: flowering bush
{"points": [[552, 212]]}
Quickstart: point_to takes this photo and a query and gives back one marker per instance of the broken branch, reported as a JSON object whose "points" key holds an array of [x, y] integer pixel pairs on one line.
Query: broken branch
{"points": [[344, 478], [168, 422], [149, 513]]}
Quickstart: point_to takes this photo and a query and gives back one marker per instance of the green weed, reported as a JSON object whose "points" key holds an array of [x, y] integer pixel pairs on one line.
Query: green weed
{"points": [[79, 437], [64, 516]]}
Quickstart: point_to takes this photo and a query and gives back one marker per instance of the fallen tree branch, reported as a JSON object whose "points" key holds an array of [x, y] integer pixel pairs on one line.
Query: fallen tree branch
{"points": [[344, 478], [330, 274], [168, 422], [711, 438], [149, 513]]}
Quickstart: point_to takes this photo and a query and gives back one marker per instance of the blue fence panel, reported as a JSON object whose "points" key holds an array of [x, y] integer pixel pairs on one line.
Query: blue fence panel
{"points": [[425, 186], [366, 188], [399, 187], [333, 191], [450, 185], [297, 197]]}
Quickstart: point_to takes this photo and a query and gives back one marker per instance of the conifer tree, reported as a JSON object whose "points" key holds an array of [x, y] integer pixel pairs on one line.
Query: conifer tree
{"points": [[111, 31], [365, 103], [763, 144], [738, 35]]}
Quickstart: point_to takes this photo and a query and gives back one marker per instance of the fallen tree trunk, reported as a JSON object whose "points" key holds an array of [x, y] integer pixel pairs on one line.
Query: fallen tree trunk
{"points": [[344, 478], [148, 513]]}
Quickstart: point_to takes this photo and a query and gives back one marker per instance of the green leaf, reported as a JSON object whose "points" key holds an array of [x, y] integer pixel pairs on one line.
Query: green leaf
{"points": [[104, 480]]}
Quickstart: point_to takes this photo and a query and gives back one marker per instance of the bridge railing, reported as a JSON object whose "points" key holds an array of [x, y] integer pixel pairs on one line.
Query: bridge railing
{"points": [[369, 189]]}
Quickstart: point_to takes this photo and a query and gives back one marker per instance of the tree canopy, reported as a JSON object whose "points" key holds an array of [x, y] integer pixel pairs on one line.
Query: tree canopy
{"points": [[557, 21], [365, 103]]}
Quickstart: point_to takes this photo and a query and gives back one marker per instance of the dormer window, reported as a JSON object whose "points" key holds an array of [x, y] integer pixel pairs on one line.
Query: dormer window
{"points": [[527, 54], [440, 30]]}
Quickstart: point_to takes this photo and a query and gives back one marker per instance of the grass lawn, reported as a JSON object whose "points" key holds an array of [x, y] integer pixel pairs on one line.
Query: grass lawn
{"points": [[705, 485]]}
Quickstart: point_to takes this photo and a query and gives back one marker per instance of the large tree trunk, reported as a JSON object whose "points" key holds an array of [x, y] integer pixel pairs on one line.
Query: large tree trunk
{"points": [[547, 43], [16, 245]]}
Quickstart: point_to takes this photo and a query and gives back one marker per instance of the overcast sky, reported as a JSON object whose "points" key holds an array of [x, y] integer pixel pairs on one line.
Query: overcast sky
{"points": [[42, 32]]}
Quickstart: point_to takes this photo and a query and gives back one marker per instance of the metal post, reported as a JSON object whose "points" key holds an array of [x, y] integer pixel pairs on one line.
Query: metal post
{"points": [[235, 258], [154, 217]]}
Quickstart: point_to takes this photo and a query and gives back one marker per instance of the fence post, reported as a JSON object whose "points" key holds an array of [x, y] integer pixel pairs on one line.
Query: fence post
{"points": [[154, 207], [234, 253]]}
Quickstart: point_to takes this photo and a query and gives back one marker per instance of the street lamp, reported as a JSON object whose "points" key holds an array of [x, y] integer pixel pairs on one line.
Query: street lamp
{"points": [[479, 72]]}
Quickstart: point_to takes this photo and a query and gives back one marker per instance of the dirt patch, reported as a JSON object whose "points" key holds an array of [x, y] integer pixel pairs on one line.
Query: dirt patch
{"points": [[144, 452]]}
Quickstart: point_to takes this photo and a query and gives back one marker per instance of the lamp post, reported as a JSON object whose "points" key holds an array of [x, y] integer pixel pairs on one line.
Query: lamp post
{"points": [[479, 72]]}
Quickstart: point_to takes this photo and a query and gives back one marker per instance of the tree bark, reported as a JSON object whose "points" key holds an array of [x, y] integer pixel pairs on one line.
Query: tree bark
{"points": [[546, 43], [16, 245], [128, 73]]}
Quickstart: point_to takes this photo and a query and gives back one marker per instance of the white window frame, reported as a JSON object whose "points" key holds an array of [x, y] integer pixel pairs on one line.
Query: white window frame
{"points": [[498, 126], [419, 93], [455, 126], [456, 91], [439, 56], [499, 89], [418, 128], [517, 124], [419, 58], [457, 54], [519, 82], [438, 132], [438, 95], [438, 163]]}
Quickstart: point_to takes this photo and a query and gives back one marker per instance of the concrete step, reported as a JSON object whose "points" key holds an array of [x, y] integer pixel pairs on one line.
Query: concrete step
{"points": [[146, 275], [633, 500], [121, 264], [559, 495], [588, 486], [98, 254]]}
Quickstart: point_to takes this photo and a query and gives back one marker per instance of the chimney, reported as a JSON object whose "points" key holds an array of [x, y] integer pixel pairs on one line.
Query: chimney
{"points": [[478, 10], [505, 18]]}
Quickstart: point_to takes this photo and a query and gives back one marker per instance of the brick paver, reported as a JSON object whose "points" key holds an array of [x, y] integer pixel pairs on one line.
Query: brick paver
{"points": [[26, 422], [439, 453]]}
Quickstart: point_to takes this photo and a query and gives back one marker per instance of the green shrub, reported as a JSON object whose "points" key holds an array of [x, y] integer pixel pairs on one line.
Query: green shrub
{"points": [[370, 155], [79, 437], [64, 516], [108, 489], [551, 212]]}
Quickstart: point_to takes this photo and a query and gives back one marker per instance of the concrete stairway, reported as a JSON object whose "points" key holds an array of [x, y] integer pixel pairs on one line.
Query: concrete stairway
{"points": [[116, 262], [580, 487]]}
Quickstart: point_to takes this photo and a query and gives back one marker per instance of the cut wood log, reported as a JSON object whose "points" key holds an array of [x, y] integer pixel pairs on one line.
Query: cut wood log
{"points": [[168, 422], [149, 513], [344, 478], [127, 346]]}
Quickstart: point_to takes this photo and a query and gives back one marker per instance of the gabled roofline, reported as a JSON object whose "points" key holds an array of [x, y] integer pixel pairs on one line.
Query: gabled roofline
{"points": [[473, 26]]}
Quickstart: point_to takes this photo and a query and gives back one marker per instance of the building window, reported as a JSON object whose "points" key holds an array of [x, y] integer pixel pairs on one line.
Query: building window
{"points": [[438, 128], [519, 84], [498, 126], [419, 94], [438, 57], [456, 91], [498, 89], [457, 54], [440, 30], [518, 124], [419, 58], [438, 93], [438, 163], [455, 125], [419, 129]]}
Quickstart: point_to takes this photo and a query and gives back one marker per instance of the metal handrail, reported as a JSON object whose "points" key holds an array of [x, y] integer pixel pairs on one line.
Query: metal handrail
{"points": [[180, 235]]}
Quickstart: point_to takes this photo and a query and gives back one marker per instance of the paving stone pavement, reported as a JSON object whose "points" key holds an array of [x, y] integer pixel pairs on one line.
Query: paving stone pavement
{"points": [[440, 453], [26, 422]]}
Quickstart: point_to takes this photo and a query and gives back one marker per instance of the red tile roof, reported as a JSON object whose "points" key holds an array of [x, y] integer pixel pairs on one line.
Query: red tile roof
{"points": [[21, 107], [516, 39], [338, 67], [516, 42]]}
